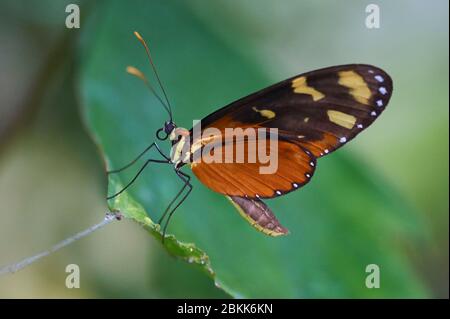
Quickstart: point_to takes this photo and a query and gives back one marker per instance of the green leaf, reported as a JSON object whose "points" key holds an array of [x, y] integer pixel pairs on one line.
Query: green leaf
{"points": [[129, 208], [345, 219]]}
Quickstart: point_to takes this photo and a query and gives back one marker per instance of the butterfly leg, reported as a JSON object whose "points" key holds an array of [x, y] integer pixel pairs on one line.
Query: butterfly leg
{"points": [[165, 161], [186, 179], [138, 157]]}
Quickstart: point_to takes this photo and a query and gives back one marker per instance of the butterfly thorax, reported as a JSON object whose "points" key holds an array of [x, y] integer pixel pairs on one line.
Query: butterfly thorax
{"points": [[180, 151]]}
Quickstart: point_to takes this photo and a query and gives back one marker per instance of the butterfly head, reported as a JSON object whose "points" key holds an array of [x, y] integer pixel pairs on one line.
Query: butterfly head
{"points": [[166, 131], [169, 126]]}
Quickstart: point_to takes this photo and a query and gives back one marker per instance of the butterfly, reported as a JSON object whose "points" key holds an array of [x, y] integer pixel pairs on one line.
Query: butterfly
{"points": [[312, 115]]}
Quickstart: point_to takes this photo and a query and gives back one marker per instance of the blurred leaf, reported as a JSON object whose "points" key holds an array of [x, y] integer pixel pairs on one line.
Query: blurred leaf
{"points": [[344, 220]]}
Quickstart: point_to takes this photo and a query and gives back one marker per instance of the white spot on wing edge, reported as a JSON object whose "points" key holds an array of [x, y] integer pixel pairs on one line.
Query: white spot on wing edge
{"points": [[379, 103], [379, 78], [343, 139], [278, 193], [382, 90]]}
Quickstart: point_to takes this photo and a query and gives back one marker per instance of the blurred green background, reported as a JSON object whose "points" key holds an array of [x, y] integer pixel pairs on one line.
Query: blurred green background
{"points": [[383, 199]]}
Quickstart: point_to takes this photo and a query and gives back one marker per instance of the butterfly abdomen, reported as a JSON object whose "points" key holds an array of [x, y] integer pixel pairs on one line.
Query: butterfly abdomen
{"points": [[258, 215]]}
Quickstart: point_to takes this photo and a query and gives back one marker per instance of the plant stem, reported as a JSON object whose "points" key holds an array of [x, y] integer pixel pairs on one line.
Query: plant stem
{"points": [[12, 268]]}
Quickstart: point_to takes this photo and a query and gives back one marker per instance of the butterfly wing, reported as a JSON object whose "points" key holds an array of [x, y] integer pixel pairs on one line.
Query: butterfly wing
{"points": [[288, 167], [322, 109], [315, 113], [246, 182]]}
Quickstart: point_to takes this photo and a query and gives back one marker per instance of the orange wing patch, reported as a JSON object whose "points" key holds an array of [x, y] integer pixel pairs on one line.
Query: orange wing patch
{"points": [[228, 173], [323, 146]]}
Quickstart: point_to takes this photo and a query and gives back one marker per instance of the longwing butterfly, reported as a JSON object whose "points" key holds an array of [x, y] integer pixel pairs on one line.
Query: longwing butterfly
{"points": [[312, 115]]}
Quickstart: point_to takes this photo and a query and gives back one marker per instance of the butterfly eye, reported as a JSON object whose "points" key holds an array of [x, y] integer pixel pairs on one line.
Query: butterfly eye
{"points": [[168, 127]]}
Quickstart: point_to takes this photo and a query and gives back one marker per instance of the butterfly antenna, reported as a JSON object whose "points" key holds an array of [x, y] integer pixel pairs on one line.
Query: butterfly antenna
{"points": [[140, 75], [147, 50]]}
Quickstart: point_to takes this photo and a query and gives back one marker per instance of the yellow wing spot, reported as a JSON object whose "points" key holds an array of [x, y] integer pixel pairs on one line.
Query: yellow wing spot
{"points": [[358, 87], [299, 85], [341, 119], [266, 113]]}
